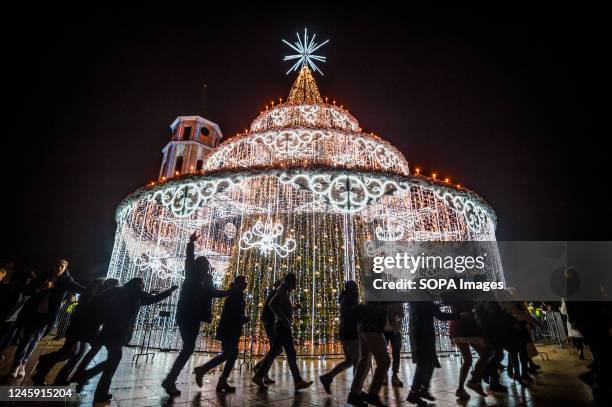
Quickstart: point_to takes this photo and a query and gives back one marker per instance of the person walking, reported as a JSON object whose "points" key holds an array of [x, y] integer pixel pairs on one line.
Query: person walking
{"points": [[423, 347], [15, 293], [393, 336], [40, 311], [194, 307], [465, 335], [267, 319], [280, 304], [83, 328], [347, 333], [495, 326], [229, 332], [117, 324], [372, 342]]}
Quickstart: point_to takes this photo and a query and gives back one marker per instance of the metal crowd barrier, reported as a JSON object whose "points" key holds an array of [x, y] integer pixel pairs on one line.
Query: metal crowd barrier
{"points": [[552, 329]]}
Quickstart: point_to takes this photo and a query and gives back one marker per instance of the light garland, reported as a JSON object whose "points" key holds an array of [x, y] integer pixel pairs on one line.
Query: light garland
{"points": [[157, 262], [303, 147], [264, 236], [304, 192]]}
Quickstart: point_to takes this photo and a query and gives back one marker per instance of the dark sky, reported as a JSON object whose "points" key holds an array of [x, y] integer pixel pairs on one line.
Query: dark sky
{"points": [[496, 106]]}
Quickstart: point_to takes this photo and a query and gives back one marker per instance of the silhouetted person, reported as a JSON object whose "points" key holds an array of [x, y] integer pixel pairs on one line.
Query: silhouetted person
{"points": [[96, 313], [14, 294], [496, 327], [518, 342], [423, 347], [84, 326], [393, 335], [347, 333], [194, 307], [117, 324], [40, 312], [594, 321], [465, 334], [267, 319], [281, 306], [372, 343], [229, 332]]}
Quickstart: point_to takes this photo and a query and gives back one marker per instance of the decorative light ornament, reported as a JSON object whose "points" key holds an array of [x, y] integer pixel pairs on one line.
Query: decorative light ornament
{"points": [[304, 170], [156, 261], [390, 231], [305, 53], [264, 236]]}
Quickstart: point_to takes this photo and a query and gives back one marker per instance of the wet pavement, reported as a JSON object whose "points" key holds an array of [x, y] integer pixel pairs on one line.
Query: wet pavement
{"points": [[138, 384]]}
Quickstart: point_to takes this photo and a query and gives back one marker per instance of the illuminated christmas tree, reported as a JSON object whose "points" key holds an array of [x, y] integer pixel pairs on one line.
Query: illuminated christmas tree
{"points": [[302, 191]]}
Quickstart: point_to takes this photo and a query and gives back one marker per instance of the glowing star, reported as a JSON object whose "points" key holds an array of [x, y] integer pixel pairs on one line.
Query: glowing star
{"points": [[305, 53], [264, 236]]}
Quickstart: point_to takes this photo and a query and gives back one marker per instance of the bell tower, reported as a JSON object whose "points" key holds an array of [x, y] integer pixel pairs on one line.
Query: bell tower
{"points": [[192, 139]]}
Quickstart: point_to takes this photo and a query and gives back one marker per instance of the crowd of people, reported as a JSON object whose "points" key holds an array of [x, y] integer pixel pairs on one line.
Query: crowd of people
{"points": [[481, 326]]}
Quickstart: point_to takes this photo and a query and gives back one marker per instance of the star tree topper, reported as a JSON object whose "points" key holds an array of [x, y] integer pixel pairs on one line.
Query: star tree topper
{"points": [[305, 53]]}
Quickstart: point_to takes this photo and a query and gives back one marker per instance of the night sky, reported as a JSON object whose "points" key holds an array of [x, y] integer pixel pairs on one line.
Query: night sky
{"points": [[498, 107]]}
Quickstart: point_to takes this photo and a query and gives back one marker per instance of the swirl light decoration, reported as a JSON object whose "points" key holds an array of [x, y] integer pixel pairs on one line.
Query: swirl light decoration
{"points": [[264, 236], [303, 191]]}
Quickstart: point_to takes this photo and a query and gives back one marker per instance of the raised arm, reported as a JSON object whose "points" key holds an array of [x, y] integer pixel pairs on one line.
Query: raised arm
{"points": [[148, 299], [190, 256], [209, 289]]}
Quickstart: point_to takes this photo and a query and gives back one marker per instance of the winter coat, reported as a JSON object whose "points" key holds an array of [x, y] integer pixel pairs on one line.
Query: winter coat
{"points": [[281, 306], [421, 328], [395, 316], [121, 308], [349, 315], [197, 293], [232, 317], [494, 323], [267, 316], [86, 319], [13, 295], [64, 285], [372, 317]]}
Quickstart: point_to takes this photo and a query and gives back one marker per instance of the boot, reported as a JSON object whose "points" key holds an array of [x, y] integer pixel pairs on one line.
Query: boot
{"points": [[302, 384], [326, 382], [395, 380], [170, 388], [413, 398], [199, 372], [222, 386], [259, 381], [374, 400]]}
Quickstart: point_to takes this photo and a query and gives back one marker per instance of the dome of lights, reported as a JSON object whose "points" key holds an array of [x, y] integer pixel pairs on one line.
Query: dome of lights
{"points": [[304, 190], [306, 132]]}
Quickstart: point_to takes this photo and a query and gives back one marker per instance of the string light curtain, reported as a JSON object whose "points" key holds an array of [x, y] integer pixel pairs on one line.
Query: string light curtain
{"points": [[303, 191]]}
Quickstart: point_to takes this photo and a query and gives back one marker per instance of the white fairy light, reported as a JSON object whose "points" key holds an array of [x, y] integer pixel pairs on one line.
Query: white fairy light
{"points": [[264, 236], [304, 191], [390, 231], [158, 262], [305, 53]]}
